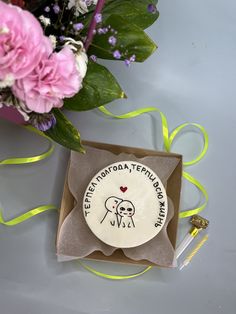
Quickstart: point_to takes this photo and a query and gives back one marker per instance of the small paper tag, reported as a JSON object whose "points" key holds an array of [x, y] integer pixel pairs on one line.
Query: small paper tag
{"points": [[125, 204]]}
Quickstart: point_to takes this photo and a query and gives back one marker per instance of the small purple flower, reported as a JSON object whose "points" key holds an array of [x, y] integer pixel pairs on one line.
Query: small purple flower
{"points": [[132, 58], [98, 17], [61, 38], [116, 54], [93, 58], [89, 2], [152, 8], [42, 122], [102, 31], [56, 8], [47, 9], [78, 26], [127, 62], [112, 40]]}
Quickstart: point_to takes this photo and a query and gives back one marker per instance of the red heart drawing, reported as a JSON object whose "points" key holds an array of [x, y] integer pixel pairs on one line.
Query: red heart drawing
{"points": [[123, 189]]}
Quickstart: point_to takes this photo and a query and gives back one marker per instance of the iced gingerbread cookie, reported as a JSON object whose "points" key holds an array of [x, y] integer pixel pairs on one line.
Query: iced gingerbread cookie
{"points": [[125, 204]]}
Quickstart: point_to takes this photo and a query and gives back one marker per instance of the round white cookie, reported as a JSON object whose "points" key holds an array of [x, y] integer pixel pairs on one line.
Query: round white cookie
{"points": [[125, 204]]}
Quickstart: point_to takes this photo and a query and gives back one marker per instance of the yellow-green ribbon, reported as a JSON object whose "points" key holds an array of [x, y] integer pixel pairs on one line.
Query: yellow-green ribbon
{"points": [[31, 213], [27, 160], [168, 140], [195, 211], [114, 277]]}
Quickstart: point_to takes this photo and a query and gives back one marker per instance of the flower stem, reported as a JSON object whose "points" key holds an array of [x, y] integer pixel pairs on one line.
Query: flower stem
{"points": [[92, 25]]}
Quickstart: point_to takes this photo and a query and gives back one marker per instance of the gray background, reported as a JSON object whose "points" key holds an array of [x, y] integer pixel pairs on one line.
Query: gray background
{"points": [[190, 78]]}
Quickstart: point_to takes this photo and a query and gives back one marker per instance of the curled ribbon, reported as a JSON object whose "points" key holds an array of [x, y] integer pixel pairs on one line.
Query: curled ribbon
{"points": [[114, 277], [27, 160], [25, 216]]}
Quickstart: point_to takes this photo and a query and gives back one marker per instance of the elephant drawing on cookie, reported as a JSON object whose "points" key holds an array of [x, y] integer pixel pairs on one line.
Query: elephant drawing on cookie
{"points": [[119, 212]]}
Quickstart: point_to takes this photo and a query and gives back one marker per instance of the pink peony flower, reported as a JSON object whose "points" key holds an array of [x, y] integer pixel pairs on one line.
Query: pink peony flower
{"points": [[56, 77], [22, 42]]}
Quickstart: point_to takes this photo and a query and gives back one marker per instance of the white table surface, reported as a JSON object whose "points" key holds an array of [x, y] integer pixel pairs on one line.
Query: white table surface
{"points": [[191, 78]]}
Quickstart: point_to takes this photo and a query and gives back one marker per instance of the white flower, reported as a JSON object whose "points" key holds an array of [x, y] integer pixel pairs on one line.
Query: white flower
{"points": [[53, 40], [80, 55], [91, 2], [73, 44], [23, 110], [8, 81], [81, 62], [80, 6], [45, 21]]}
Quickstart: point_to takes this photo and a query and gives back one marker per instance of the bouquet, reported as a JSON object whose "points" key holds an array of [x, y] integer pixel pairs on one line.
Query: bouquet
{"points": [[49, 52]]}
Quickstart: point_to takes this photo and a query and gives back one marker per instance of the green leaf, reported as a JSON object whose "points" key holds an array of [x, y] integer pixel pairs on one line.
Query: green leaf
{"points": [[99, 88], [65, 133], [131, 39], [132, 11]]}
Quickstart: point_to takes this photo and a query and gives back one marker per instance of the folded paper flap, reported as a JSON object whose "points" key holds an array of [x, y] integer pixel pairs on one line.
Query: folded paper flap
{"points": [[96, 159], [138, 152], [67, 204], [75, 239], [158, 250], [173, 191]]}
